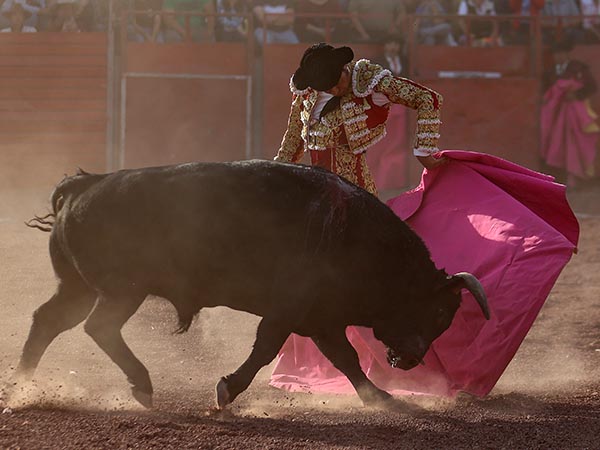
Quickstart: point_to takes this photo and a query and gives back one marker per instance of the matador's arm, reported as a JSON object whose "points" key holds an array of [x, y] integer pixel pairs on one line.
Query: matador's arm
{"points": [[292, 146], [427, 103]]}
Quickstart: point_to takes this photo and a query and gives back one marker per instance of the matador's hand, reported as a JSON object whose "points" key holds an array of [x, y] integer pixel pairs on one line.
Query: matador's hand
{"points": [[429, 162]]}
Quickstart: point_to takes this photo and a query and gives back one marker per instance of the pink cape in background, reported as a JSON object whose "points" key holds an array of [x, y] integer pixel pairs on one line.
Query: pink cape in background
{"points": [[509, 226], [569, 130]]}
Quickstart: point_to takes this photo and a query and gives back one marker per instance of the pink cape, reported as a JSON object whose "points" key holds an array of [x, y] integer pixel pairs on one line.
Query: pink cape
{"points": [[567, 141], [509, 226]]}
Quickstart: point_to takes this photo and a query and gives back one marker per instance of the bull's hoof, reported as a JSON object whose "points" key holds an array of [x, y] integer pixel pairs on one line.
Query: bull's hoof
{"points": [[144, 398], [376, 399], [223, 397]]}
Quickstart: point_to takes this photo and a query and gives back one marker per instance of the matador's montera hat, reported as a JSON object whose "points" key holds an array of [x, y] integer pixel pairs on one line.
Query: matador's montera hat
{"points": [[321, 67]]}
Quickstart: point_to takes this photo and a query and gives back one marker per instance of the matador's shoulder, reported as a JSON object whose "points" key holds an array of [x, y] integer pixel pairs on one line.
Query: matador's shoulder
{"points": [[365, 76]]}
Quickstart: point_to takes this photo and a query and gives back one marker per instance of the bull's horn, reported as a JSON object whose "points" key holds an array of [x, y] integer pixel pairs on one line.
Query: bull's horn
{"points": [[473, 285]]}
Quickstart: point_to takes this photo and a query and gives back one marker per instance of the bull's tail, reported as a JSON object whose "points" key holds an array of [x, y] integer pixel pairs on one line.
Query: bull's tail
{"points": [[69, 186], [42, 223]]}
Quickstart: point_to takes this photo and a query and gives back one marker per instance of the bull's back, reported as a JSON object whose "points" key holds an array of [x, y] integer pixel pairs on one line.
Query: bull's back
{"points": [[207, 230]]}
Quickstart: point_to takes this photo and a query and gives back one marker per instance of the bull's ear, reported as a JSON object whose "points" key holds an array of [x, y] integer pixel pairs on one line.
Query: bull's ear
{"points": [[454, 284], [449, 282]]}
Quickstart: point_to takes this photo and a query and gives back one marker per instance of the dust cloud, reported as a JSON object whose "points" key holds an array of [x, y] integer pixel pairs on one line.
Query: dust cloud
{"points": [[561, 353]]}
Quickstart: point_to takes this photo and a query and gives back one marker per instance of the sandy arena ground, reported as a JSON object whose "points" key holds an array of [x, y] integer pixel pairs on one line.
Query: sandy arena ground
{"points": [[549, 397]]}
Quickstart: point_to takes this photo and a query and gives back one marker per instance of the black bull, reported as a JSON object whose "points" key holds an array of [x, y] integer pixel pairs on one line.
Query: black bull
{"points": [[307, 251]]}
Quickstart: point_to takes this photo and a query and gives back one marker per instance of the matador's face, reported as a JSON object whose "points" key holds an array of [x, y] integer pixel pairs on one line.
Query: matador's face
{"points": [[343, 85]]}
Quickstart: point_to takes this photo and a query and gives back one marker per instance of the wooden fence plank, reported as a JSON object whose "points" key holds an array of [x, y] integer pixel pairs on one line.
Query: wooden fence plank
{"points": [[69, 115], [42, 105], [49, 60], [51, 138], [87, 39], [7, 93], [44, 49], [51, 126], [53, 83], [52, 71]]}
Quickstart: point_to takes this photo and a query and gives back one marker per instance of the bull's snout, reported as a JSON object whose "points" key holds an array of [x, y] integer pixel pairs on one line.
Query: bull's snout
{"points": [[403, 360]]}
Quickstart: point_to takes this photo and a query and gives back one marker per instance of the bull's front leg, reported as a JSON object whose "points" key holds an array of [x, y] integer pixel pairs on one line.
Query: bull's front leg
{"points": [[335, 346], [270, 336]]}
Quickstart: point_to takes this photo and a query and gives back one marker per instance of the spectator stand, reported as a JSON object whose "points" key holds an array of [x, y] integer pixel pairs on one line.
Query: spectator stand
{"points": [[185, 101]]}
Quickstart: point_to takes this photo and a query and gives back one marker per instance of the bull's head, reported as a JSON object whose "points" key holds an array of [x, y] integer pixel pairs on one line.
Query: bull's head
{"points": [[409, 333]]}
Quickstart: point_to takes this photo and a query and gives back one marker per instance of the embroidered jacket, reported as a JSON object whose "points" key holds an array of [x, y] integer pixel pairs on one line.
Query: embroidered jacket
{"points": [[363, 124]]}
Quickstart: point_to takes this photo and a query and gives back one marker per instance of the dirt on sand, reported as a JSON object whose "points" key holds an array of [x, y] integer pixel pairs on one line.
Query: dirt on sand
{"points": [[548, 398]]}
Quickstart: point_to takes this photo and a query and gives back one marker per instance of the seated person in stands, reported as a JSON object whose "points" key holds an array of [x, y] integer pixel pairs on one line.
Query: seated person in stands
{"points": [[433, 31], [231, 28], [392, 57], [92, 15], [30, 9], [480, 33], [61, 15], [591, 26], [274, 22], [317, 29], [569, 28], [375, 19], [194, 27], [520, 31], [16, 16], [146, 24]]}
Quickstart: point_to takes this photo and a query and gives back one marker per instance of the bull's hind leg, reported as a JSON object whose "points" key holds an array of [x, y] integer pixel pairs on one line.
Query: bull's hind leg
{"points": [[270, 336], [335, 346], [104, 326], [68, 307]]}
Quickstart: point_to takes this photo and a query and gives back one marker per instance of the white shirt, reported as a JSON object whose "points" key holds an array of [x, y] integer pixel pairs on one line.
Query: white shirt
{"points": [[485, 9], [560, 68], [395, 64]]}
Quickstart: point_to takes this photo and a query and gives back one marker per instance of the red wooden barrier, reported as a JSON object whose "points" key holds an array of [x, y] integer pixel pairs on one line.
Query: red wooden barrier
{"points": [[52, 106], [217, 58], [509, 61], [499, 117], [172, 120]]}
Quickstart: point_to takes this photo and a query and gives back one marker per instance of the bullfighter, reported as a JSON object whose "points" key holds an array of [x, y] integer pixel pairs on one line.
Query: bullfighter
{"points": [[340, 107]]}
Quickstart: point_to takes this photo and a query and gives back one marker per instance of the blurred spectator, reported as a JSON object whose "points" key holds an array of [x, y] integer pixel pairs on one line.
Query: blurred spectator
{"points": [[62, 15], [375, 19], [433, 31], [317, 29], [480, 33], [591, 27], [17, 15], [521, 31], [146, 26], [92, 15], [569, 28], [231, 28], [392, 58], [274, 22], [201, 28], [31, 10]]}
